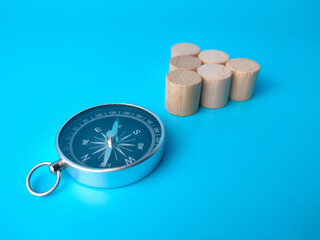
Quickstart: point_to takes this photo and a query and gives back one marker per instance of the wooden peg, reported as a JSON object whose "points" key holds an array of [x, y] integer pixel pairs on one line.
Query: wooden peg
{"points": [[184, 62], [213, 56], [183, 88], [216, 81], [184, 49], [245, 73]]}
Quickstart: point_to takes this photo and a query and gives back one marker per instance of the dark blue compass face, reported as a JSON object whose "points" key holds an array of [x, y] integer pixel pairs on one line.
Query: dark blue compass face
{"points": [[110, 136]]}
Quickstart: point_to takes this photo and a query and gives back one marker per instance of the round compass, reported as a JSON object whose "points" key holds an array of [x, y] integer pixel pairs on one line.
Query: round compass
{"points": [[108, 146]]}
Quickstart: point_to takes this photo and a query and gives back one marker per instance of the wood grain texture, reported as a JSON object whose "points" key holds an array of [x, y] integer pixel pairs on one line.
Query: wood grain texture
{"points": [[213, 56], [245, 73], [216, 80], [184, 49], [184, 63], [183, 89]]}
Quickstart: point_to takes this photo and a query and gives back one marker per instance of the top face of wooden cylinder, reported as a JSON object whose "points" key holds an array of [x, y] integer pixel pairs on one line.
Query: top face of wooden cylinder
{"points": [[213, 56], [214, 71], [185, 62], [184, 49], [184, 77], [243, 65]]}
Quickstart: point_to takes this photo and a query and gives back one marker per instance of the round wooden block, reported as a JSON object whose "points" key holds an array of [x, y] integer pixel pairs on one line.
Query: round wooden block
{"points": [[213, 56], [245, 73], [216, 81], [184, 62], [184, 49], [183, 89]]}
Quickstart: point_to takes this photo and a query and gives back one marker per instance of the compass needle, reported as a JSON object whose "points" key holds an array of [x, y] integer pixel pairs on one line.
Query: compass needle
{"points": [[115, 155], [115, 127], [106, 157]]}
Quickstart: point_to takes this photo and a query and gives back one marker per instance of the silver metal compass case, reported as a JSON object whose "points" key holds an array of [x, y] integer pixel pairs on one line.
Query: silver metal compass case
{"points": [[113, 177]]}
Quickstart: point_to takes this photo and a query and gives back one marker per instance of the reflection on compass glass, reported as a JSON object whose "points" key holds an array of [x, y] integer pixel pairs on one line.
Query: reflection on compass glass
{"points": [[110, 136]]}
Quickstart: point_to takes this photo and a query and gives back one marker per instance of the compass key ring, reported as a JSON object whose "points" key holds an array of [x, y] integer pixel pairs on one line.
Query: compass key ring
{"points": [[54, 169]]}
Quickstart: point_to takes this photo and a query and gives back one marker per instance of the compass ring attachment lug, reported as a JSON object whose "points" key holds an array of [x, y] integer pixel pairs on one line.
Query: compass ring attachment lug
{"points": [[55, 168]]}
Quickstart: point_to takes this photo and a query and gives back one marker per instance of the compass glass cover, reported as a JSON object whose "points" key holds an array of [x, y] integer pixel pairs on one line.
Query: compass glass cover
{"points": [[110, 136]]}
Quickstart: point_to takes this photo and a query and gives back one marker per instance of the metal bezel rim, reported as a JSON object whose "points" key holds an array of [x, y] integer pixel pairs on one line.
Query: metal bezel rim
{"points": [[88, 169]]}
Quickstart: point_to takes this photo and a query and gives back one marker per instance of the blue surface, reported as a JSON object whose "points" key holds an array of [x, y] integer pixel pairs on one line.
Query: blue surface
{"points": [[247, 171]]}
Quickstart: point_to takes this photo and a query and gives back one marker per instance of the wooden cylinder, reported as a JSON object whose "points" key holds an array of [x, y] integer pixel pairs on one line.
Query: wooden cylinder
{"points": [[245, 73], [213, 56], [184, 49], [184, 62], [183, 88], [216, 81]]}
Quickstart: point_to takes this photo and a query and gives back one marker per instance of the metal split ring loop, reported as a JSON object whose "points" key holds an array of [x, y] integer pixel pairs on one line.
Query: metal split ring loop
{"points": [[47, 192]]}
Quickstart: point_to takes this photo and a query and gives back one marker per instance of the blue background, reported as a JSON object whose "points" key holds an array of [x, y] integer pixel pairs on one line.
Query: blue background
{"points": [[246, 171]]}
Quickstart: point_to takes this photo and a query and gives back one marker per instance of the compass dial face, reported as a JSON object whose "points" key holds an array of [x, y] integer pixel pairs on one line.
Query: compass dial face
{"points": [[110, 136]]}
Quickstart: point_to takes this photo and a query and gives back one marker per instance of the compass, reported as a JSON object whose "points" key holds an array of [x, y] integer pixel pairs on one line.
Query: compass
{"points": [[107, 146]]}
